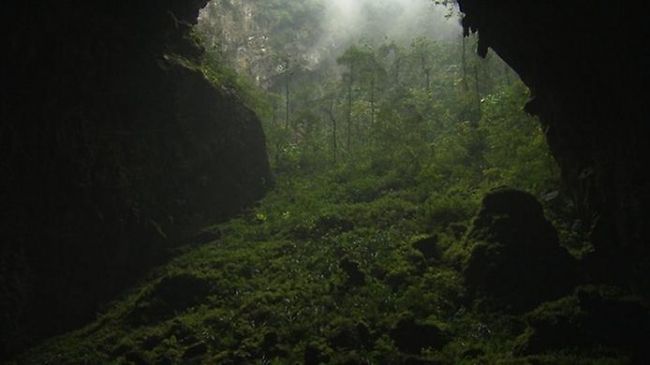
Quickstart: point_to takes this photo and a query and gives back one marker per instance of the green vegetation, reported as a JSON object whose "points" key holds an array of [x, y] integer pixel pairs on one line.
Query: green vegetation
{"points": [[326, 269], [383, 151]]}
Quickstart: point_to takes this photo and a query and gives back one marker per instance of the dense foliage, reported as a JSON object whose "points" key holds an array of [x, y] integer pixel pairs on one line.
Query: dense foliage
{"points": [[339, 268], [423, 107]]}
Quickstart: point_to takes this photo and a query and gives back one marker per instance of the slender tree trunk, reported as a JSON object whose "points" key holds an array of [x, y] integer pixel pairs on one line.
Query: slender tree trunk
{"points": [[349, 126], [478, 92], [372, 102], [287, 95], [427, 79], [333, 121], [274, 117], [464, 62], [426, 71], [398, 64]]}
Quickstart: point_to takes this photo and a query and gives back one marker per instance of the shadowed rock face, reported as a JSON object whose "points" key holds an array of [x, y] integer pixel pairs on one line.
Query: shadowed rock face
{"points": [[515, 260], [110, 152], [588, 70]]}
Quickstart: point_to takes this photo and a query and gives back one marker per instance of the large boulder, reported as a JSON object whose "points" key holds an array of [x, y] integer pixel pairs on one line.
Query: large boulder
{"points": [[515, 259], [411, 336]]}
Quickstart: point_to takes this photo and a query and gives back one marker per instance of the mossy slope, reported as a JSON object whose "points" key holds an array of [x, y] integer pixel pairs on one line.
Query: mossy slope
{"points": [[312, 275]]}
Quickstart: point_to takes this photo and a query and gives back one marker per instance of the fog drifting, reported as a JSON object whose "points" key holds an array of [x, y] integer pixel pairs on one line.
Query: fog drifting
{"points": [[346, 22], [395, 19], [341, 24]]}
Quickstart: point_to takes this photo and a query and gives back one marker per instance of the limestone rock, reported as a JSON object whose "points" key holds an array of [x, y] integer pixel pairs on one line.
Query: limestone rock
{"points": [[515, 259]]}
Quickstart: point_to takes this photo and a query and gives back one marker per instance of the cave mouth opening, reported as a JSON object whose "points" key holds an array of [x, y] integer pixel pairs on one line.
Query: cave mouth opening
{"points": [[346, 75], [111, 150]]}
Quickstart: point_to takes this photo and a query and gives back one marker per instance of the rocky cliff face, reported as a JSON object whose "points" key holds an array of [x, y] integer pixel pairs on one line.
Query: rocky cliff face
{"points": [[588, 69], [111, 151]]}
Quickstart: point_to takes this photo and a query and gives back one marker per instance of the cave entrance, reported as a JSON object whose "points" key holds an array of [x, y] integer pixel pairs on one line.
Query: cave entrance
{"points": [[392, 87], [386, 134]]}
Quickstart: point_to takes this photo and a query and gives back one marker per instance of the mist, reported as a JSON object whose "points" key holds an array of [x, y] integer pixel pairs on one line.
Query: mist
{"points": [[372, 22], [399, 20], [321, 33]]}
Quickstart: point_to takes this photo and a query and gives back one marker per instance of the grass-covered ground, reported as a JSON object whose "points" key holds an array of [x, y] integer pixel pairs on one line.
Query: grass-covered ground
{"points": [[344, 268]]}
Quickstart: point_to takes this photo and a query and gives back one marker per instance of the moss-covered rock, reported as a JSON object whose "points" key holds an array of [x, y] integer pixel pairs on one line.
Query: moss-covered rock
{"points": [[428, 247], [354, 276], [411, 336], [515, 260]]}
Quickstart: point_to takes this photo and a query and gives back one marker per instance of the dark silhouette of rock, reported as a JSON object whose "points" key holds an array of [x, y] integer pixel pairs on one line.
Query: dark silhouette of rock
{"points": [[411, 337], [428, 247], [515, 259], [355, 277], [350, 336]]}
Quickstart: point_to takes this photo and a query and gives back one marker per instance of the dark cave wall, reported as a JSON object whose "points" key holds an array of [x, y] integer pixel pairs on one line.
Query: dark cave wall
{"points": [[110, 153], [587, 67]]}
